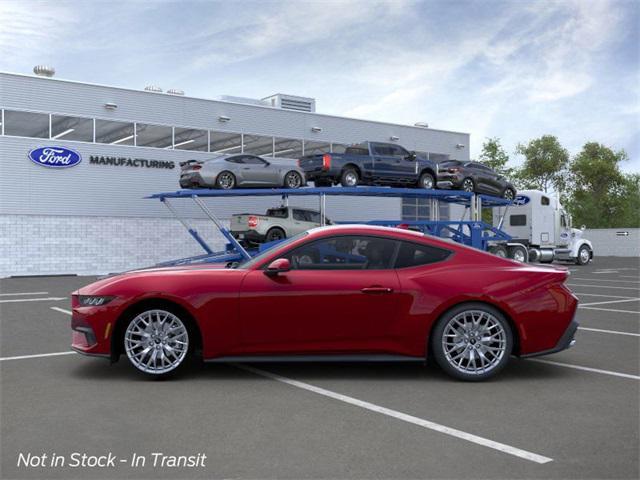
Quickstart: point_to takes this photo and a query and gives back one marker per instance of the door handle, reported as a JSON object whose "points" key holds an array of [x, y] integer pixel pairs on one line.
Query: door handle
{"points": [[377, 290]]}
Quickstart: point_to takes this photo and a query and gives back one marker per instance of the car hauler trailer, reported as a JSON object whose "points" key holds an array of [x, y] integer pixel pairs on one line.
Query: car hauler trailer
{"points": [[472, 232], [539, 221]]}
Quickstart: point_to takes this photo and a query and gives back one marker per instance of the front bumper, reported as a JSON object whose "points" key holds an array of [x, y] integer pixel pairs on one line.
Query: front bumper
{"points": [[91, 329], [567, 340]]}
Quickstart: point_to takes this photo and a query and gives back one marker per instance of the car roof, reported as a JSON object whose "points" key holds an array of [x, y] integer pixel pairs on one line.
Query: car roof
{"points": [[357, 228]]}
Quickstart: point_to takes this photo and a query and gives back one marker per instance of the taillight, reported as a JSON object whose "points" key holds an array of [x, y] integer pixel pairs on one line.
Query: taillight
{"points": [[196, 167], [454, 170], [253, 222], [326, 161], [299, 163]]}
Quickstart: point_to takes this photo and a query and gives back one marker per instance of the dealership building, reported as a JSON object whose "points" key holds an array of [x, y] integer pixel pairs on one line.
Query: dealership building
{"points": [[93, 217]]}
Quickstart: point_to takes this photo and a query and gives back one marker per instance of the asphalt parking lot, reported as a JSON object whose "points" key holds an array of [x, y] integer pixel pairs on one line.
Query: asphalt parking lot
{"points": [[570, 415]]}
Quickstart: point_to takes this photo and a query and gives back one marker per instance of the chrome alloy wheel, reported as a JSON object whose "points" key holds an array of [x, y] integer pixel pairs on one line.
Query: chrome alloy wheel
{"points": [[467, 185], [474, 342], [293, 180], [584, 255], [226, 181], [519, 255], [351, 179], [156, 341]]}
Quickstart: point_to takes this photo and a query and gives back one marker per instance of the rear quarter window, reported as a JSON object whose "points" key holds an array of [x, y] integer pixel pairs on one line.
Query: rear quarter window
{"points": [[415, 254]]}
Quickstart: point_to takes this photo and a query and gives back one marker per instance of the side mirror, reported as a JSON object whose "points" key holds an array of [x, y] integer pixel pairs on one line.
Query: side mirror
{"points": [[583, 227], [411, 156], [280, 265]]}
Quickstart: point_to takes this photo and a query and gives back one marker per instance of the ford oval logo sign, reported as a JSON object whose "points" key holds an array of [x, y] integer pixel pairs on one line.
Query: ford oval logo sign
{"points": [[55, 157], [521, 200]]}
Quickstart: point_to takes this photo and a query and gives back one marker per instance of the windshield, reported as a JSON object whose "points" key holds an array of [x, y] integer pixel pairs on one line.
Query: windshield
{"points": [[261, 256]]}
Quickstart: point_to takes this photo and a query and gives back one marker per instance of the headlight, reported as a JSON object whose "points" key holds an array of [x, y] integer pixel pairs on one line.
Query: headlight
{"points": [[93, 301]]}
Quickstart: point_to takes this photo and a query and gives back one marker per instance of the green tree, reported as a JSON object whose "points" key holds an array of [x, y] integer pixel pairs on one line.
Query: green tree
{"points": [[545, 164], [600, 195], [494, 156]]}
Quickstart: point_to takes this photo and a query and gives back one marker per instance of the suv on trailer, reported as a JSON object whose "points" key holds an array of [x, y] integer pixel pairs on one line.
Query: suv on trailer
{"points": [[275, 224], [474, 177]]}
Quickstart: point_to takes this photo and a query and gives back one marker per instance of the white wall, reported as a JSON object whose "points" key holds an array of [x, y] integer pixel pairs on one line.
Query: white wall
{"points": [[607, 242]]}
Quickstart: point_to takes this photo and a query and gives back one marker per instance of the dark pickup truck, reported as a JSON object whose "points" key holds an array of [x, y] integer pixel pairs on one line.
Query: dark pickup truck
{"points": [[370, 163]]}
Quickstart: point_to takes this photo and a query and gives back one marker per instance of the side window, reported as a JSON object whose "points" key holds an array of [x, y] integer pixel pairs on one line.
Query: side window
{"points": [[299, 215], [251, 160], [414, 254], [563, 221], [398, 151], [235, 160], [518, 220], [544, 200], [344, 253], [277, 212], [313, 216]]}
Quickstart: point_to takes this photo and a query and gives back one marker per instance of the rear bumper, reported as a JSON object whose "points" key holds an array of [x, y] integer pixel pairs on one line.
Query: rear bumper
{"points": [[567, 340], [250, 236], [192, 180], [449, 180]]}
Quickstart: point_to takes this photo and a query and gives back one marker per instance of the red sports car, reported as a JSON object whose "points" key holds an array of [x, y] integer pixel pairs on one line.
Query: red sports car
{"points": [[333, 293]]}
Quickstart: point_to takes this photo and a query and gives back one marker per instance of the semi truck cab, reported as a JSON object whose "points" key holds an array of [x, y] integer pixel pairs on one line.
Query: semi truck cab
{"points": [[538, 221]]}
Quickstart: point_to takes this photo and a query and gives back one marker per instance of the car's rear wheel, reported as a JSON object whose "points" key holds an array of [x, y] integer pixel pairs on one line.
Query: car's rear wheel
{"points": [[349, 178], [468, 185], [426, 181], [472, 342], [293, 179], [226, 180], [156, 342], [275, 234]]}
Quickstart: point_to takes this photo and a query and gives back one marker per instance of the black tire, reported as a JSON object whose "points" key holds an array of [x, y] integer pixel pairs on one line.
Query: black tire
{"points": [[446, 359], [468, 185], [427, 181], [584, 255], [128, 339], [275, 233], [349, 177], [508, 194], [226, 180], [518, 253], [293, 180], [499, 251]]}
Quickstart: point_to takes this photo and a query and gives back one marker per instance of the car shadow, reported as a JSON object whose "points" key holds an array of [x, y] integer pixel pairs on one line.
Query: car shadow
{"points": [[518, 370]]}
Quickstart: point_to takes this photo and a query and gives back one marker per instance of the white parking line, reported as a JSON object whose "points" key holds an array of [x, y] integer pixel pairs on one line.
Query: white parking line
{"points": [[61, 310], [48, 299], [628, 276], [533, 457], [40, 355], [613, 287], [599, 295], [23, 293], [586, 369], [615, 332], [610, 301], [605, 280], [610, 310]]}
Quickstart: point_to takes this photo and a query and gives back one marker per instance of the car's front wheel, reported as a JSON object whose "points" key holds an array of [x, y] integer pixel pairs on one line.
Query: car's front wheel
{"points": [[509, 194], [156, 342], [472, 342], [584, 255], [426, 181]]}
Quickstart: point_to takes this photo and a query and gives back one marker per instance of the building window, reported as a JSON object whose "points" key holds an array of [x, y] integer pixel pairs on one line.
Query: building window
{"points": [[258, 145], [225, 143], [157, 136], [313, 148], [191, 139], [287, 148], [26, 124], [71, 128], [114, 133]]}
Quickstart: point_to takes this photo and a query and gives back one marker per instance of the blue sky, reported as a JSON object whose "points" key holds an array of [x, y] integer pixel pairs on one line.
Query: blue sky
{"points": [[514, 70]]}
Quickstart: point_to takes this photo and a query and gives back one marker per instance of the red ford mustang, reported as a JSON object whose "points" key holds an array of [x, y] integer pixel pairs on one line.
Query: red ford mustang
{"points": [[333, 293]]}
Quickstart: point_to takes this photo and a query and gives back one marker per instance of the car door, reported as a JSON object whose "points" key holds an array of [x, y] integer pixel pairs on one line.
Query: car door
{"points": [[383, 162], [257, 171], [341, 296], [298, 221], [405, 166]]}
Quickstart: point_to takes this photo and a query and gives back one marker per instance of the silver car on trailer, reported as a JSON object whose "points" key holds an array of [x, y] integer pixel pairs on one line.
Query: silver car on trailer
{"points": [[241, 170]]}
